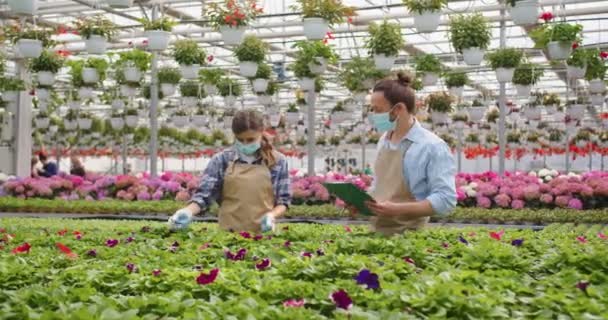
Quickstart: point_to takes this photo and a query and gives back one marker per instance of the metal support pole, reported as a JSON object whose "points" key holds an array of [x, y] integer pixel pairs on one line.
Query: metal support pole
{"points": [[602, 163], [124, 155], [567, 151], [459, 149], [311, 132], [22, 125], [154, 108], [502, 103], [590, 160]]}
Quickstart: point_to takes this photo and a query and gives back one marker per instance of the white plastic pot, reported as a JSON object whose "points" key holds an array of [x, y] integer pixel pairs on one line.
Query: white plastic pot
{"points": [[264, 99], [85, 92], [551, 109], [199, 120], [597, 86], [533, 114], [523, 90], [525, 12], [120, 3], [476, 113], [158, 40], [315, 28], [128, 91], [439, 117], [189, 71], [456, 91], [131, 121], [132, 74], [74, 105], [180, 121], [210, 89], [229, 101], [428, 21], [307, 84], [10, 96], [384, 62], [29, 48], [85, 123], [292, 118], [70, 125], [43, 106], [559, 50], [167, 89], [23, 7], [46, 78], [575, 72], [319, 67], [43, 94], [189, 101], [117, 123], [232, 36], [274, 119], [429, 78], [505, 74], [96, 44], [42, 123], [473, 56], [597, 99], [118, 104], [259, 85], [576, 111], [90, 75]]}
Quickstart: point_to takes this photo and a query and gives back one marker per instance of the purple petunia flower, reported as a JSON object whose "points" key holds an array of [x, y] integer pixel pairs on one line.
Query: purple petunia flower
{"points": [[341, 299], [156, 272], [129, 240], [111, 243], [306, 254], [320, 252], [209, 278], [463, 240], [517, 242], [368, 278], [264, 264], [131, 267], [582, 285], [240, 255], [92, 253]]}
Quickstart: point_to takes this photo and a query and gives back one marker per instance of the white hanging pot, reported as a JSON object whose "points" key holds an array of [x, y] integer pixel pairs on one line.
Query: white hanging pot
{"points": [[523, 90], [74, 105], [10, 96], [525, 12], [167, 89], [210, 89], [85, 123], [143, 113], [46, 78], [428, 21], [118, 104], [43, 94], [23, 7], [575, 72], [307, 84], [505, 74], [189, 71], [43, 106], [229, 101], [559, 116], [439, 117], [559, 50], [189, 101], [597, 86], [158, 40], [90, 75], [232, 36], [473, 56], [117, 123], [260, 85], [180, 121], [132, 74], [131, 121], [199, 120], [384, 62], [248, 69], [127, 91], [274, 119], [70, 125], [315, 28], [576, 111], [456, 91], [120, 3], [476, 113], [264, 99], [29, 48], [597, 99], [532, 113], [96, 44], [319, 66], [85, 92], [53, 129], [429, 78], [292, 117], [42, 123]]}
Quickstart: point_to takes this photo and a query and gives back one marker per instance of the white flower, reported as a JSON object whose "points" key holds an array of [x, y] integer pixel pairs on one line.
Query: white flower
{"points": [[532, 174], [544, 172], [471, 193], [548, 178], [3, 177], [554, 173], [473, 185]]}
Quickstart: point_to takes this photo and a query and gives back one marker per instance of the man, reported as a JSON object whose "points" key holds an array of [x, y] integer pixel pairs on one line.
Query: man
{"points": [[49, 168]]}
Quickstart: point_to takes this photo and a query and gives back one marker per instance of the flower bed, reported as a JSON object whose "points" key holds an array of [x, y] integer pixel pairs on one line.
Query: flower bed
{"points": [[127, 270]]}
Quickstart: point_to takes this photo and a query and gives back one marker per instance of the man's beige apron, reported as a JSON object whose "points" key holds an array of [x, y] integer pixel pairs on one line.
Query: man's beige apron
{"points": [[246, 196], [390, 185]]}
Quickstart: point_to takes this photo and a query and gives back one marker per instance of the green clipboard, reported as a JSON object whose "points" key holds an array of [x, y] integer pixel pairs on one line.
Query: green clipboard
{"points": [[352, 195]]}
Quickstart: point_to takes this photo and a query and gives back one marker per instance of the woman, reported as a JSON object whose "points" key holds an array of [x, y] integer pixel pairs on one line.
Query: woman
{"points": [[76, 169], [250, 181], [426, 185]]}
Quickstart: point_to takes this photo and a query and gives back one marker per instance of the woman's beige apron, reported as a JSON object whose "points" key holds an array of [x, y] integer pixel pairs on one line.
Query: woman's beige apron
{"points": [[247, 195], [390, 185]]}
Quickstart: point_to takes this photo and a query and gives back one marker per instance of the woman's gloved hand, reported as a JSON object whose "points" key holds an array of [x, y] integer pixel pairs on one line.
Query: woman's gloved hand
{"points": [[180, 220], [267, 222]]}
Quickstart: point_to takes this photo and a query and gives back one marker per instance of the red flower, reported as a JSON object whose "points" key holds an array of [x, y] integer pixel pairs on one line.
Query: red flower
{"points": [[581, 239], [497, 235], [62, 232], [603, 54], [63, 248], [245, 235], [2, 230], [24, 248], [350, 20], [347, 229], [330, 35], [210, 58], [62, 30], [205, 278], [341, 299], [574, 45], [547, 16], [409, 260], [602, 236]]}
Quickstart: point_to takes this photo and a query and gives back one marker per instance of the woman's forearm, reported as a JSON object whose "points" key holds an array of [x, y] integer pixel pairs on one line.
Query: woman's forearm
{"points": [[194, 208], [279, 210]]}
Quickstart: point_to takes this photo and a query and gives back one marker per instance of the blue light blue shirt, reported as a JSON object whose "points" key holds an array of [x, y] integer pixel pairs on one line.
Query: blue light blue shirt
{"points": [[428, 168]]}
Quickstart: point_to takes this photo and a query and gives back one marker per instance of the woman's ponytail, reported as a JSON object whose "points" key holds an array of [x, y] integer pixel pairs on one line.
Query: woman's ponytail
{"points": [[267, 152]]}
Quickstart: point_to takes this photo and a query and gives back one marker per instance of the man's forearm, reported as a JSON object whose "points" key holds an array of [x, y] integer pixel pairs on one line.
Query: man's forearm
{"points": [[417, 209]]}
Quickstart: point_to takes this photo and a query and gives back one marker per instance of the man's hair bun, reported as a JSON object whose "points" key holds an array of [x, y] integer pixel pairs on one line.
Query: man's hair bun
{"points": [[404, 79]]}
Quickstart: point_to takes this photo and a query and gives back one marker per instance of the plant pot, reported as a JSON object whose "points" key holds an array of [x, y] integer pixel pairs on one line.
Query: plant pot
{"points": [[131, 121], [559, 50], [232, 36], [473, 56], [456, 91], [292, 118], [307, 84], [318, 68], [248, 69], [384, 62], [582, 143], [23, 7], [476, 113], [264, 99], [132, 74], [96, 44], [117, 123], [274, 119], [428, 21], [43, 94], [189, 101], [315, 28], [143, 113], [259, 85], [575, 72], [512, 145], [70, 125], [525, 12], [118, 104], [180, 121], [167, 89], [597, 86], [229, 101], [505, 74], [189, 71], [429, 78], [120, 3], [523, 90], [127, 91], [551, 109], [597, 99], [29, 48], [210, 89], [533, 114], [43, 106], [10, 96], [576, 111], [439, 117], [46, 78], [90, 75], [158, 40], [199, 120], [74, 105], [85, 92], [42, 123], [85, 123]]}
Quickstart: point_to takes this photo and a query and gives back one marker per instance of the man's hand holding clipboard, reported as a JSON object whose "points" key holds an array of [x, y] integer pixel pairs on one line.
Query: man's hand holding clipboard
{"points": [[357, 201]]}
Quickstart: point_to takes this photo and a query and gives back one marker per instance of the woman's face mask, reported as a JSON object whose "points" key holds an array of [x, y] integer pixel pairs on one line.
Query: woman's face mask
{"points": [[247, 149]]}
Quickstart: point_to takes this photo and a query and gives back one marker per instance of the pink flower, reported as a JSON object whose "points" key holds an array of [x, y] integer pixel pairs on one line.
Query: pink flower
{"points": [[207, 278], [562, 201], [240, 255], [156, 272], [546, 198], [484, 202], [245, 235], [294, 303], [497, 235], [531, 192], [581, 239], [347, 229], [517, 204], [502, 200], [111, 243], [602, 236], [575, 204], [409, 260], [306, 254]]}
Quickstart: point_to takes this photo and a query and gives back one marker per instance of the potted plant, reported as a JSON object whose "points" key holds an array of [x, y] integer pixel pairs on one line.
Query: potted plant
{"points": [[576, 64], [559, 38], [189, 57], [84, 120], [582, 138], [168, 78], [120, 4], [359, 75], [459, 120], [430, 68], [439, 104], [265, 98], [70, 122], [472, 139], [199, 118], [147, 91], [23, 7], [339, 114], [426, 13], [525, 76], [11, 88], [180, 118], [470, 35], [596, 71], [96, 30], [523, 12], [131, 117], [384, 43], [210, 78], [231, 18], [158, 33], [42, 120], [229, 89], [318, 55], [301, 70], [93, 70], [576, 107], [504, 62], [551, 102], [190, 91], [455, 81], [513, 139], [133, 64], [260, 81], [250, 53], [492, 115], [29, 41], [116, 120], [292, 114], [46, 67], [319, 15], [603, 139]]}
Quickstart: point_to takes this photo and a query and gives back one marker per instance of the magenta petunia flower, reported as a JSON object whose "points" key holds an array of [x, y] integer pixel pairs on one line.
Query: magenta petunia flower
{"points": [[131, 267], [264, 264], [341, 299], [581, 239], [92, 253], [602, 236], [575, 204], [258, 237], [293, 303], [287, 244], [129, 239], [111, 243], [409, 260], [207, 278], [306, 254], [156, 272], [582, 285], [368, 278], [240, 255], [245, 235]]}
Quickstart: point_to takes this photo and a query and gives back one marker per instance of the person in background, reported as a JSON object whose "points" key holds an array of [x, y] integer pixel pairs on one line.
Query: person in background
{"points": [[426, 183], [49, 168], [250, 181], [368, 170], [77, 169], [35, 166]]}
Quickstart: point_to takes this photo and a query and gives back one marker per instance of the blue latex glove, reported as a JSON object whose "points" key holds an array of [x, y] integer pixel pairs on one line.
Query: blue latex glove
{"points": [[180, 220], [267, 223]]}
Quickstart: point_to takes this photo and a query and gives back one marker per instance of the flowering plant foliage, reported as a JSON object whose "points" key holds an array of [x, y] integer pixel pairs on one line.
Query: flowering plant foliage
{"points": [[232, 13]]}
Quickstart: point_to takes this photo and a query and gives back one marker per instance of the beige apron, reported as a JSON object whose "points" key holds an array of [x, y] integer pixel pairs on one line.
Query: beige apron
{"points": [[390, 185], [247, 195]]}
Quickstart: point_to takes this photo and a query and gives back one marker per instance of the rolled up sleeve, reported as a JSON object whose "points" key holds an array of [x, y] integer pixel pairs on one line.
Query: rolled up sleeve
{"points": [[282, 184], [211, 182], [441, 175]]}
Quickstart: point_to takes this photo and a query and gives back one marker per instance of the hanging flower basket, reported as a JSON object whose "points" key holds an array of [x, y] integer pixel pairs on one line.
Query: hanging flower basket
{"points": [[90, 75], [473, 56], [189, 101], [85, 92], [43, 106], [118, 104], [121, 4], [525, 12], [131, 121], [43, 94], [210, 89], [260, 85], [429, 78], [559, 50], [597, 86], [190, 71], [274, 119], [264, 99], [158, 40], [74, 105], [96, 44], [117, 123], [199, 120], [180, 121], [523, 90], [315, 28], [85, 123], [168, 89], [29, 48], [23, 7], [439, 117], [232, 36], [575, 72], [307, 84], [533, 114], [46, 78], [456, 91], [427, 21], [42, 123], [10, 96], [132, 74], [248, 69], [505, 74], [319, 67], [384, 62], [70, 125], [597, 99]]}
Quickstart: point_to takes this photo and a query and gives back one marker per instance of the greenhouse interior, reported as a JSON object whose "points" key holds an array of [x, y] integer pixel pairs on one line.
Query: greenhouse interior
{"points": [[303, 159]]}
